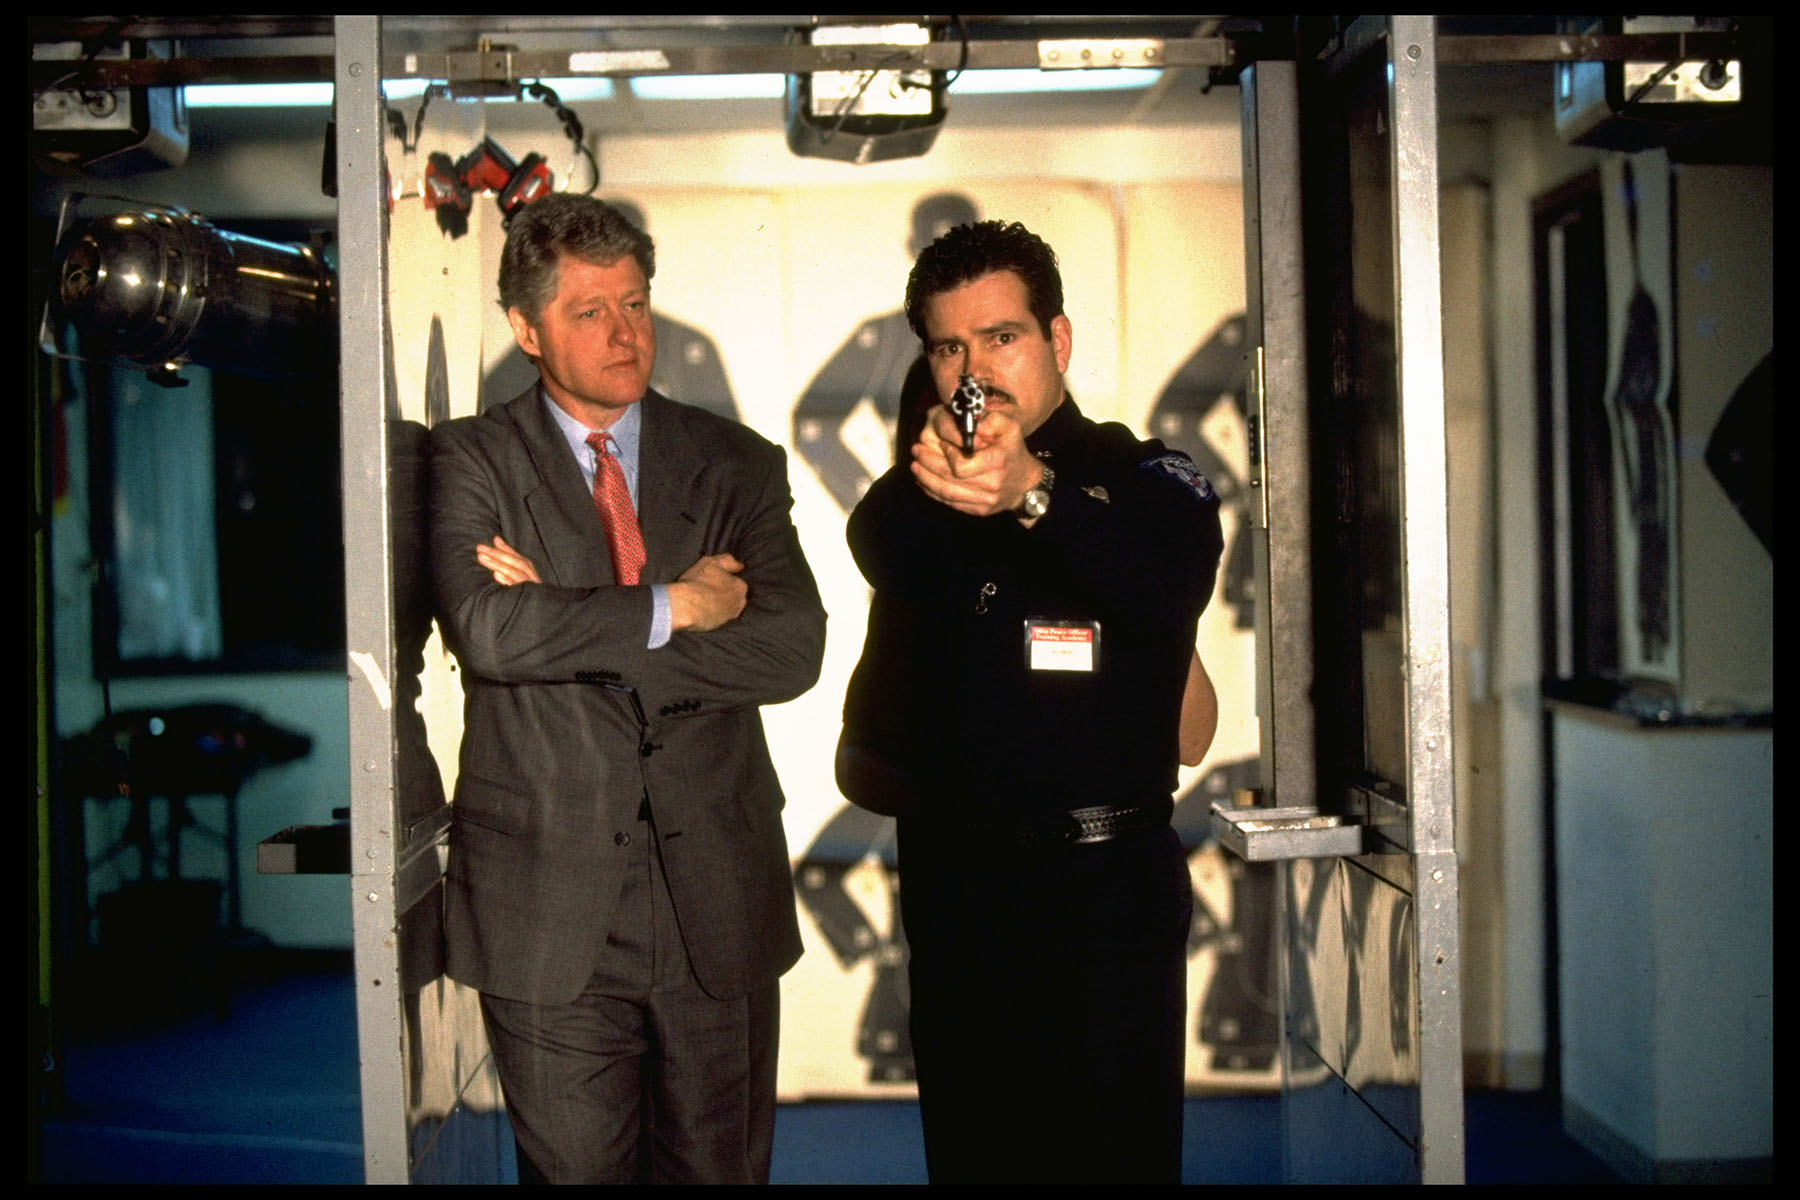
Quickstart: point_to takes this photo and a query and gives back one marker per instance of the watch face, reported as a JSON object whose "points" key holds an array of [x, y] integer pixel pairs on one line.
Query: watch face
{"points": [[1036, 501]]}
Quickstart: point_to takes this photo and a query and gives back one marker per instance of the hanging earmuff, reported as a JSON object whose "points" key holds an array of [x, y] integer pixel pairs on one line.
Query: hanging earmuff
{"points": [[450, 185], [571, 125]]}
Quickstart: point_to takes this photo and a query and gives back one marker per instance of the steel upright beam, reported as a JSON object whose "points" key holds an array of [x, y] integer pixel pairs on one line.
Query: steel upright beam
{"points": [[1425, 558], [368, 584], [1280, 475]]}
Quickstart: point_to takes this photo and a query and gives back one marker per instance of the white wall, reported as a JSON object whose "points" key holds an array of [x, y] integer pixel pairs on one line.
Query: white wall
{"points": [[1528, 160], [1724, 300]]}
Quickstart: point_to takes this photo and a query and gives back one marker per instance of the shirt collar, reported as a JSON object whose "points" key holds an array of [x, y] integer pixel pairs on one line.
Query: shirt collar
{"points": [[625, 431]]}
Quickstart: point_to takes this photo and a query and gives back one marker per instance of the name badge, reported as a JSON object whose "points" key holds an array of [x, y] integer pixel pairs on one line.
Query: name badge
{"points": [[1062, 645]]}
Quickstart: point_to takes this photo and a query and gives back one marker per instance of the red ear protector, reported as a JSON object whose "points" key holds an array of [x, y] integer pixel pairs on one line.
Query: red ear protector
{"points": [[450, 186], [447, 194], [531, 181], [486, 168]]}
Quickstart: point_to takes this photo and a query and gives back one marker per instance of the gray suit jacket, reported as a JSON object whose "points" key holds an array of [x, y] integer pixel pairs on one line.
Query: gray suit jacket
{"points": [[569, 722]]}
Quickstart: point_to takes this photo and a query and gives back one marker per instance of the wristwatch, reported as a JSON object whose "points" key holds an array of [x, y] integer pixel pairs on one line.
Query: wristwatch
{"points": [[1037, 500]]}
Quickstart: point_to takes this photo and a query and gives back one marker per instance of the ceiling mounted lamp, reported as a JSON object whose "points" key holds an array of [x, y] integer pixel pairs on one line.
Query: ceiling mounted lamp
{"points": [[870, 115]]}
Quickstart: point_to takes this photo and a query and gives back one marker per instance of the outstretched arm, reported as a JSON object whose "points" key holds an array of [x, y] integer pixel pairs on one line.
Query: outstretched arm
{"points": [[542, 633], [1155, 532]]}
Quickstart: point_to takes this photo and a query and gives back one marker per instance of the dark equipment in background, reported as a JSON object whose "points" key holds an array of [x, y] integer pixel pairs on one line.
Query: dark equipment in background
{"points": [[175, 753], [164, 925], [161, 287], [107, 131], [195, 749]]}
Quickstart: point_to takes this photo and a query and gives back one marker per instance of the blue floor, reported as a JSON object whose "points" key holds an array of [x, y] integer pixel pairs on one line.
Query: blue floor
{"points": [[269, 1095]]}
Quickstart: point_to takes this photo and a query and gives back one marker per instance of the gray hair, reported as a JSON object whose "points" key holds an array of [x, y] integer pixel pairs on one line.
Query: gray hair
{"points": [[561, 223]]}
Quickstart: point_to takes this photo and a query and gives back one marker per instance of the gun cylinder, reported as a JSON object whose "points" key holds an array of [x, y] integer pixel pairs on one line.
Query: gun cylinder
{"points": [[969, 402]]}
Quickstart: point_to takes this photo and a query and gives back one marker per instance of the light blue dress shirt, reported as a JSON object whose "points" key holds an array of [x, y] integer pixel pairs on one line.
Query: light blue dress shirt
{"points": [[626, 433]]}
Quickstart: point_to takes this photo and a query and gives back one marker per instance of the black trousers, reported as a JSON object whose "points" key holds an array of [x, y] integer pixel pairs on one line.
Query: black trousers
{"points": [[1049, 997], [643, 1078]]}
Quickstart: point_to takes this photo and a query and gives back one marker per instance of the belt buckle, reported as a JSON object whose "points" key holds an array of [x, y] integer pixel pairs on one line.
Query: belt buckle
{"points": [[1100, 826]]}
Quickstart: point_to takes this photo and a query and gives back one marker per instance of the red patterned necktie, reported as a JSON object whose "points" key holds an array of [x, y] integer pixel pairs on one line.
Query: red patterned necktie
{"points": [[613, 500]]}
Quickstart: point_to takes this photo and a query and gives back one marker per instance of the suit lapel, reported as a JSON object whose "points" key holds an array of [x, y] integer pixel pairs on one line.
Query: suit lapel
{"points": [[669, 468], [561, 506]]}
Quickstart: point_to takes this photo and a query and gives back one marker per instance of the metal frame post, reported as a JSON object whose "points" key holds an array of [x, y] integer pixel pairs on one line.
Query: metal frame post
{"points": [[1275, 285], [368, 584], [1425, 557]]}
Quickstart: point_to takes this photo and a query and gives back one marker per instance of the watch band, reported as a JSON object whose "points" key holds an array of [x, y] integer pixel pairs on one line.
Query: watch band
{"points": [[1036, 501]]}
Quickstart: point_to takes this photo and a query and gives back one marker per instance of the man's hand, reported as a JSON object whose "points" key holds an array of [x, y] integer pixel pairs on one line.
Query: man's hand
{"points": [[508, 565], [992, 480], [708, 594]]}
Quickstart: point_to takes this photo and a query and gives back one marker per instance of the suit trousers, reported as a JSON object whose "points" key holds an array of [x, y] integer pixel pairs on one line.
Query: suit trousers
{"points": [[1049, 997], [643, 1078]]}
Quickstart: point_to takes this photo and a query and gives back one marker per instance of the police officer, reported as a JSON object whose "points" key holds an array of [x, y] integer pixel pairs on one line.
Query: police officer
{"points": [[1017, 706]]}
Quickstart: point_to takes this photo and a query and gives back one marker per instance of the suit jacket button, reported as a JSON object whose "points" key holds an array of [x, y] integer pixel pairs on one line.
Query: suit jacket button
{"points": [[621, 839]]}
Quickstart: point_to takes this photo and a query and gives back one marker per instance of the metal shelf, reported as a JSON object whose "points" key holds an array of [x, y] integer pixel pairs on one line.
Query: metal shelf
{"points": [[1272, 834]]}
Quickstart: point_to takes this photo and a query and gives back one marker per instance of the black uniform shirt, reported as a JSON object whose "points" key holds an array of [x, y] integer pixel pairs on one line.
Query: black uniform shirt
{"points": [[945, 689]]}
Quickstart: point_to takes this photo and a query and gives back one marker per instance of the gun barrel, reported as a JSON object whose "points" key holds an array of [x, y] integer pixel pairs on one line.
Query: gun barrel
{"points": [[969, 402], [966, 420]]}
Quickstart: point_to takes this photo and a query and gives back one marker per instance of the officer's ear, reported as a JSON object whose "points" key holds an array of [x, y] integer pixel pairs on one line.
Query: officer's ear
{"points": [[1062, 338]]}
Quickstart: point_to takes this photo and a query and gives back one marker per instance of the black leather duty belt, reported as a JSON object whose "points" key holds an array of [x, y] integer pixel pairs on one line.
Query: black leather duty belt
{"points": [[1100, 823]]}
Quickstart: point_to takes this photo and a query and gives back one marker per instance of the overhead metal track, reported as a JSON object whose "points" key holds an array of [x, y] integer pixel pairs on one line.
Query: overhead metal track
{"points": [[500, 63], [1587, 47]]}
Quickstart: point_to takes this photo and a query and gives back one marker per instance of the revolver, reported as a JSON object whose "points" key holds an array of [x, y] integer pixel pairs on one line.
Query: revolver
{"points": [[968, 403]]}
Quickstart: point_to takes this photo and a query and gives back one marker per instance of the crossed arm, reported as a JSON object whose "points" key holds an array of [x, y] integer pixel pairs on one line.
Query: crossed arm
{"points": [[752, 625], [704, 597]]}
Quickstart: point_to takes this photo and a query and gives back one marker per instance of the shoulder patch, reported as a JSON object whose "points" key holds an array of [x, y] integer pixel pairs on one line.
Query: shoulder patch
{"points": [[1180, 467]]}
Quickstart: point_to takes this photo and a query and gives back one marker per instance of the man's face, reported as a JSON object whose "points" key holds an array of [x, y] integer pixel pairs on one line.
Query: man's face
{"points": [[985, 328], [593, 342]]}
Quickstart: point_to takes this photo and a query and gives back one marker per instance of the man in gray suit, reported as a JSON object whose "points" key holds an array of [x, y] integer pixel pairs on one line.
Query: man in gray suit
{"points": [[619, 888]]}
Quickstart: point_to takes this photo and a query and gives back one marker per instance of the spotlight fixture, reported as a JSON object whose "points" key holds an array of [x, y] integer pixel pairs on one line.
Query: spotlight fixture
{"points": [[869, 115], [161, 288], [1698, 108]]}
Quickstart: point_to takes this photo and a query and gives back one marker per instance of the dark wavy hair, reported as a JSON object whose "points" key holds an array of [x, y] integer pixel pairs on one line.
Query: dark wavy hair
{"points": [[561, 223], [967, 252]]}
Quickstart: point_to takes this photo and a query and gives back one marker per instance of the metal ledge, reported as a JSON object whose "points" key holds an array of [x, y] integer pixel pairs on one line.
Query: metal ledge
{"points": [[1273, 834], [306, 850]]}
